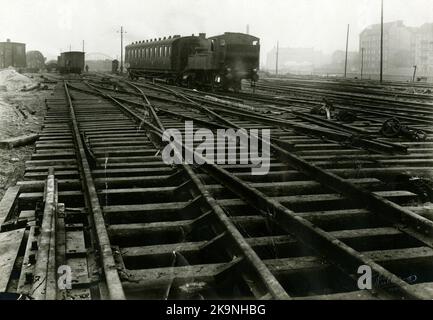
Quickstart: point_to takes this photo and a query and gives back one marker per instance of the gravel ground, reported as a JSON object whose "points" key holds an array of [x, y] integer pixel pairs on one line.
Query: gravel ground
{"points": [[20, 113]]}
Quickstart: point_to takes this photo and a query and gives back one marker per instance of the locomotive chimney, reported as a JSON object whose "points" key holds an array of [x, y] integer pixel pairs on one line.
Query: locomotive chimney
{"points": [[202, 35]]}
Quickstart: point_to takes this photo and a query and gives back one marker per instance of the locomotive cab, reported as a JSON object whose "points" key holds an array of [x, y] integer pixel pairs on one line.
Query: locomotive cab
{"points": [[238, 57]]}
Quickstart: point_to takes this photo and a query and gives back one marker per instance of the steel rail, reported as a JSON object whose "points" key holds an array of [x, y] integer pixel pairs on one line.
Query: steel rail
{"points": [[45, 271], [390, 210], [338, 134], [385, 112], [343, 256], [114, 285], [401, 216], [267, 279], [338, 95]]}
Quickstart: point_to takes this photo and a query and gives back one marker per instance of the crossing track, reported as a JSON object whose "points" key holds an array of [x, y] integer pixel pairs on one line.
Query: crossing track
{"points": [[131, 226]]}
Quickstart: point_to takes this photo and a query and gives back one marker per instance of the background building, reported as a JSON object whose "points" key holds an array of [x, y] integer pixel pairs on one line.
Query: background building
{"points": [[423, 50], [397, 44], [12, 54], [338, 59]]}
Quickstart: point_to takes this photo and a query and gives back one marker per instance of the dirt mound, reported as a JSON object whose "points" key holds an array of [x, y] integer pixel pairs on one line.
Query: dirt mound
{"points": [[13, 81]]}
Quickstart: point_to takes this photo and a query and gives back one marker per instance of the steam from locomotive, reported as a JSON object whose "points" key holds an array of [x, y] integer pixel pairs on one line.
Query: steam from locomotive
{"points": [[196, 61]]}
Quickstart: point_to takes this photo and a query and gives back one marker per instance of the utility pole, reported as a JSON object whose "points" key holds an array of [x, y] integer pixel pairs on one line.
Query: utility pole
{"points": [[121, 48], [414, 73], [381, 42], [276, 63], [347, 48], [362, 61]]}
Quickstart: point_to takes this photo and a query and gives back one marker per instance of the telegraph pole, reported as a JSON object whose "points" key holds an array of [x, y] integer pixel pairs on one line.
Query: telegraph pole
{"points": [[381, 42], [121, 48], [414, 73], [276, 63], [347, 48], [362, 61]]}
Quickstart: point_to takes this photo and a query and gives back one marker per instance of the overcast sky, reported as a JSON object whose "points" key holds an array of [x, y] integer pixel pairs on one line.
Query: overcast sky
{"points": [[52, 25]]}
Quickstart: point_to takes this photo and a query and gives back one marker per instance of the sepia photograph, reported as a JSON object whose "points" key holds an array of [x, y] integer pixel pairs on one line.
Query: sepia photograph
{"points": [[215, 156]]}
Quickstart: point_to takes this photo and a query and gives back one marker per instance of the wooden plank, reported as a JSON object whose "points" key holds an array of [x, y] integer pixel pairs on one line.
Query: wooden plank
{"points": [[18, 141], [25, 286], [157, 277], [148, 233], [363, 233], [135, 252], [319, 198], [42, 276], [75, 245], [39, 185], [394, 257], [8, 202], [80, 273], [10, 243]]}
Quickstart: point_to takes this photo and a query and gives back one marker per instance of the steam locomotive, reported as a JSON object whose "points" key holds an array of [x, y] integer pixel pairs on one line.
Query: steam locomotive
{"points": [[196, 61]]}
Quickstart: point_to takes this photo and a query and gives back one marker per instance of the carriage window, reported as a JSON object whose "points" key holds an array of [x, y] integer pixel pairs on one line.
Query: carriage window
{"points": [[169, 51], [212, 45], [160, 51]]}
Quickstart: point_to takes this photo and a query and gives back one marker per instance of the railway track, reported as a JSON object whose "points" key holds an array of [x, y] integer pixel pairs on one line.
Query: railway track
{"points": [[127, 225], [410, 91]]}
